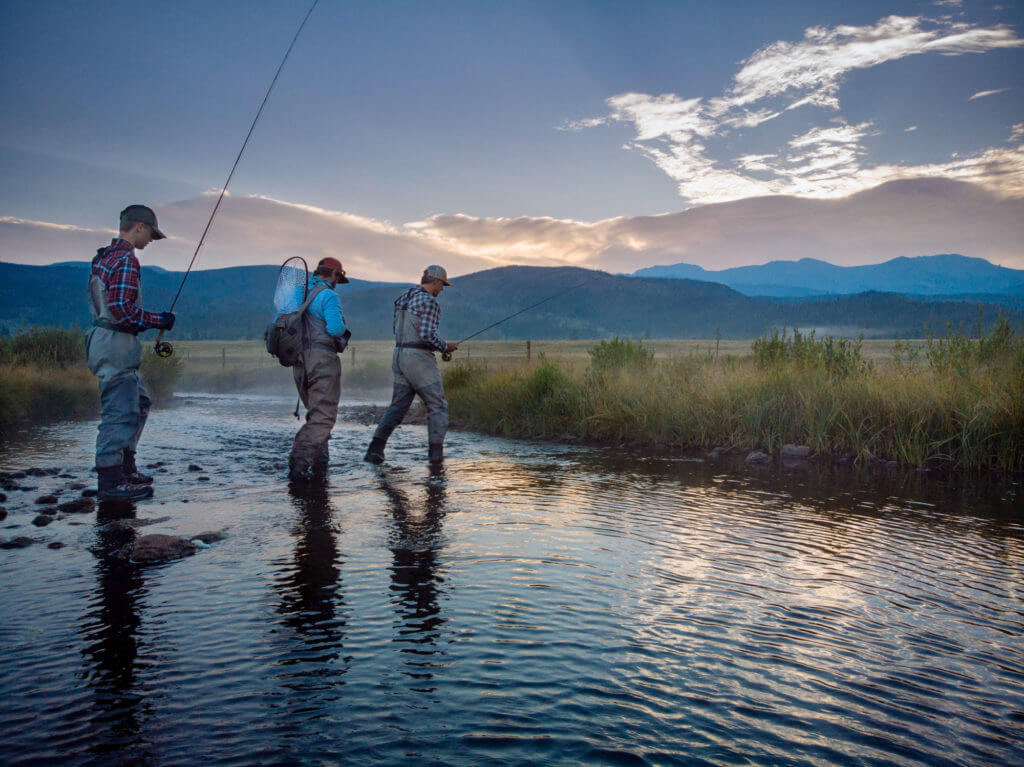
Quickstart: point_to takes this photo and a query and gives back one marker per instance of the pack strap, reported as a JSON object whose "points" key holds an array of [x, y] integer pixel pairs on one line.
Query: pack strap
{"points": [[310, 297]]}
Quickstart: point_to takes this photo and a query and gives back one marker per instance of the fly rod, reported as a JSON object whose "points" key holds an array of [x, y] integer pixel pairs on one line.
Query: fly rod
{"points": [[447, 356], [163, 348]]}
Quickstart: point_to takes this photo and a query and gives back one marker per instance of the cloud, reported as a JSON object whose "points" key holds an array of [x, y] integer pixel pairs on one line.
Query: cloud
{"points": [[901, 218], [919, 216], [983, 94], [249, 230], [910, 129], [680, 135]]}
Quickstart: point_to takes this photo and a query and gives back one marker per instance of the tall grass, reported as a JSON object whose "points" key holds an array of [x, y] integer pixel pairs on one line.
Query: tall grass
{"points": [[43, 376], [963, 403]]}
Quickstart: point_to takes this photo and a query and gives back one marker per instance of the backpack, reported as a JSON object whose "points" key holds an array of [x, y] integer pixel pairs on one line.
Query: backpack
{"points": [[286, 336]]}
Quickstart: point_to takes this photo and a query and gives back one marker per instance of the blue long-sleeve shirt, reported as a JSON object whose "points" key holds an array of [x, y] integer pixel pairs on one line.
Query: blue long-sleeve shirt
{"points": [[327, 306]]}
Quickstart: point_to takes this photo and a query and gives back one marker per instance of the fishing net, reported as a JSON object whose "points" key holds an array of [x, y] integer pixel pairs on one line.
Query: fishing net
{"points": [[291, 285]]}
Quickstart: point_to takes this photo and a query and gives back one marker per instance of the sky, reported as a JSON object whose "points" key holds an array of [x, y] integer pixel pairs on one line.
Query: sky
{"points": [[612, 135]]}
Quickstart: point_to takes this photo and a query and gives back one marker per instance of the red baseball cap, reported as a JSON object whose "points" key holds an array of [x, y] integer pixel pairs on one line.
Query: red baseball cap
{"points": [[332, 263]]}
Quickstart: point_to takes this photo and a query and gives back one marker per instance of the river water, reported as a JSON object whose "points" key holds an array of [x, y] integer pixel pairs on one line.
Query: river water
{"points": [[533, 603]]}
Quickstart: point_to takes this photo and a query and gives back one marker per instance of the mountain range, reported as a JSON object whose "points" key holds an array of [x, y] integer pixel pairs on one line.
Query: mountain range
{"points": [[942, 275], [236, 303]]}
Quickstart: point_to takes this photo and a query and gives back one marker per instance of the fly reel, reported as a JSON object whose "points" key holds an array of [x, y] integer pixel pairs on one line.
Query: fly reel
{"points": [[446, 356], [163, 349]]}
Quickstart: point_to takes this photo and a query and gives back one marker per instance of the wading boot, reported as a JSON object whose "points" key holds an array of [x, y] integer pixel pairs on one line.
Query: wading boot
{"points": [[132, 474], [436, 454], [375, 452], [113, 486], [300, 474]]}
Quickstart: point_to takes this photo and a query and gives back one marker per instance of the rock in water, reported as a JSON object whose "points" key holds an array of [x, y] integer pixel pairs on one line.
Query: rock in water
{"points": [[210, 537], [161, 548], [194, 467], [42, 520], [795, 452], [17, 543], [78, 506], [46, 500], [756, 456], [3, 513]]}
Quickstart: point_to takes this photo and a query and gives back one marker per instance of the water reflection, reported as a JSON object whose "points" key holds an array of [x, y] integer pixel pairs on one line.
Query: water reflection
{"points": [[415, 539], [110, 631], [312, 602]]}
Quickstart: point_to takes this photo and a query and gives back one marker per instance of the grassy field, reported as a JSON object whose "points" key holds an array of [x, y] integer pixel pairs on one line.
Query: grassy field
{"points": [[952, 402], [366, 365], [43, 377]]}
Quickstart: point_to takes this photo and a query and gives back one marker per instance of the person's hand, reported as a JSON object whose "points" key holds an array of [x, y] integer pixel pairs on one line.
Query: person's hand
{"points": [[341, 342], [166, 320], [451, 347]]}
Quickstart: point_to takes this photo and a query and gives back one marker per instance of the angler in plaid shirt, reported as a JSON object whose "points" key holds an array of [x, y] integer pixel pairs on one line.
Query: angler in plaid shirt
{"points": [[113, 353], [417, 318]]}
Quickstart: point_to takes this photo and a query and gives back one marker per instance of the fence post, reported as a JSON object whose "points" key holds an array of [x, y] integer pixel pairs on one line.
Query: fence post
{"points": [[353, 357], [223, 358], [527, 351]]}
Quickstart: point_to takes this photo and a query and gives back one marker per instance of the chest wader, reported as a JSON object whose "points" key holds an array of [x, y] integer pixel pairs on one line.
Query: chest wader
{"points": [[415, 372], [114, 356], [318, 381]]}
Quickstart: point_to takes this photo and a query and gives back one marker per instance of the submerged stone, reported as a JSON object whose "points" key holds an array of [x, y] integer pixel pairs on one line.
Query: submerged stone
{"points": [[19, 542], [3, 513], [48, 511], [78, 506], [202, 479], [55, 545], [756, 456], [795, 452], [46, 499], [194, 467], [160, 548], [210, 536], [2, 497], [91, 492], [42, 520]]}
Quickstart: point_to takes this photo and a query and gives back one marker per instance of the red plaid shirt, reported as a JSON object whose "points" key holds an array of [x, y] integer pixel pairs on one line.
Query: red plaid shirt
{"points": [[118, 268]]}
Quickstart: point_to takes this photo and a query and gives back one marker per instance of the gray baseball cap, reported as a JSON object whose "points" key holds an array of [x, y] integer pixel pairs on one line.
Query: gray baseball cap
{"points": [[436, 272], [144, 215]]}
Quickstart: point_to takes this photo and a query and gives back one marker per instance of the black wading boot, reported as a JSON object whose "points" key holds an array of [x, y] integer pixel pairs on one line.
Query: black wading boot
{"points": [[113, 486], [132, 475], [375, 452], [436, 454]]}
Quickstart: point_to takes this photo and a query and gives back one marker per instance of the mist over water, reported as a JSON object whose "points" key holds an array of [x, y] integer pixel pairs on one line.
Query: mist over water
{"points": [[533, 603]]}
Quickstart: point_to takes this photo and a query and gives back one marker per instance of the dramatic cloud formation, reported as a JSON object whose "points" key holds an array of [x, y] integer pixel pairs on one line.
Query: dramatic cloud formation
{"points": [[248, 230], [915, 217], [828, 160]]}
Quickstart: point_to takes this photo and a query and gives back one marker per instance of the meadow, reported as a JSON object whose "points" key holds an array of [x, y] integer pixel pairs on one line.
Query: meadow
{"points": [[43, 377], [952, 401]]}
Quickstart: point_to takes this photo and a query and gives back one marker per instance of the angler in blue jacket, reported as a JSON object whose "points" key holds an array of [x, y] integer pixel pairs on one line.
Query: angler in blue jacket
{"points": [[318, 375]]}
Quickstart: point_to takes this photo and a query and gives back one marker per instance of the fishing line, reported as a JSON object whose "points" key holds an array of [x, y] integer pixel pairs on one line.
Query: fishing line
{"points": [[163, 348], [447, 356]]}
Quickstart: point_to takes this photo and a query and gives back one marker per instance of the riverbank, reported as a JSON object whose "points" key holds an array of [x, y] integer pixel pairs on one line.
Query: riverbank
{"points": [[958, 405], [43, 377]]}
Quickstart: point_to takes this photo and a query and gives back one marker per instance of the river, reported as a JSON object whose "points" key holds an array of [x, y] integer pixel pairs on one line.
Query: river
{"points": [[533, 603]]}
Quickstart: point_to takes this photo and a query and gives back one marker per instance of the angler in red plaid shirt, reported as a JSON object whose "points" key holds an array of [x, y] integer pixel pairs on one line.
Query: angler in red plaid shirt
{"points": [[113, 353]]}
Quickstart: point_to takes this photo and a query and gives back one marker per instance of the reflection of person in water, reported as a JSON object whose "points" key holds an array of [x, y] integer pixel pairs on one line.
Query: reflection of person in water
{"points": [[110, 630], [311, 601], [415, 540]]}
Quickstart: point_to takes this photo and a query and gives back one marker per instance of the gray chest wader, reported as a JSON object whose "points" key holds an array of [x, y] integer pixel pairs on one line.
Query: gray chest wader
{"points": [[108, 351], [415, 363]]}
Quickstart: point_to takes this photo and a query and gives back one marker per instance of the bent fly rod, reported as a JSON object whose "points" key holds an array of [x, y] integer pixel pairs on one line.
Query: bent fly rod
{"points": [[163, 348], [447, 356]]}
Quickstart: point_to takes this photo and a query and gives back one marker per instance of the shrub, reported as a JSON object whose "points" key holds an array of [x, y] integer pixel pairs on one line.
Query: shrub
{"points": [[620, 353], [47, 347]]}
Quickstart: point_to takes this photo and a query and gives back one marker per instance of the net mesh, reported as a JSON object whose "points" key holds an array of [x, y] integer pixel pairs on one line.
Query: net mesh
{"points": [[291, 286]]}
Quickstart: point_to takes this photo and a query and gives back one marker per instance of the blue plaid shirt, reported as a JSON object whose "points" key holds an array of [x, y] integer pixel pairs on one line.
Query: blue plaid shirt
{"points": [[425, 306]]}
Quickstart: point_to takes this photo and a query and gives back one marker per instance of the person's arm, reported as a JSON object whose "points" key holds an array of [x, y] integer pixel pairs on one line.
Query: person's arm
{"points": [[122, 295], [332, 313]]}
